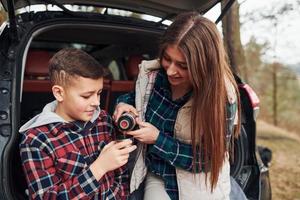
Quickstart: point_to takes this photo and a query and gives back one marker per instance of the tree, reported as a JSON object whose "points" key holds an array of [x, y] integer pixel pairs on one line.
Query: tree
{"points": [[274, 16], [277, 86], [232, 38]]}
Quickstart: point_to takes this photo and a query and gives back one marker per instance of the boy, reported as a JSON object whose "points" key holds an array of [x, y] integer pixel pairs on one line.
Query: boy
{"points": [[60, 148]]}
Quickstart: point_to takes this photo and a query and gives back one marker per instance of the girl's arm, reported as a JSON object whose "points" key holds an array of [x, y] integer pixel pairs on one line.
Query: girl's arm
{"points": [[180, 154]]}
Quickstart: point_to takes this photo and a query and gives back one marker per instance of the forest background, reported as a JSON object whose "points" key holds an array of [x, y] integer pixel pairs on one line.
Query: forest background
{"points": [[269, 61]]}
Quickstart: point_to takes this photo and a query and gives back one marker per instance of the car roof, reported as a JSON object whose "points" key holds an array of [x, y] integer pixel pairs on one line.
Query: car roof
{"points": [[159, 8]]}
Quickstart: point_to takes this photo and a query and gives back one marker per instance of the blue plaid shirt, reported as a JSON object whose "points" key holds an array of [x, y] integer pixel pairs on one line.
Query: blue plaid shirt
{"points": [[167, 153]]}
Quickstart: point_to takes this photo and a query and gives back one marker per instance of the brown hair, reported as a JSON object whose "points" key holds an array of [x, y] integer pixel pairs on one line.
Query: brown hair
{"points": [[199, 40], [69, 63]]}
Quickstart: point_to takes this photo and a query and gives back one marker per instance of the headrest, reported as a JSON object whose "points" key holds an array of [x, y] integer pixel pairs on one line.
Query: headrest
{"points": [[132, 66], [37, 63]]}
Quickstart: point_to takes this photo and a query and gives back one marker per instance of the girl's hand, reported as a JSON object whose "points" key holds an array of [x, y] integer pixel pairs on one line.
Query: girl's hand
{"points": [[147, 133], [121, 108]]}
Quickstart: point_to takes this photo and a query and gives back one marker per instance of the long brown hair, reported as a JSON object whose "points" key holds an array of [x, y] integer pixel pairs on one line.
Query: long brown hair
{"points": [[199, 40]]}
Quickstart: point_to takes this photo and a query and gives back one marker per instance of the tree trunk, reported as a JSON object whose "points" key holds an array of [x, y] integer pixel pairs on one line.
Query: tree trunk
{"points": [[232, 39], [275, 104]]}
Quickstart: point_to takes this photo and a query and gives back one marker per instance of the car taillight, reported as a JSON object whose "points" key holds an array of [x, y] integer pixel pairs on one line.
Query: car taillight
{"points": [[253, 98]]}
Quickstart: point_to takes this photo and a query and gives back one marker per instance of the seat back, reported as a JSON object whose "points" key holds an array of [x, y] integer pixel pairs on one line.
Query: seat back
{"points": [[132, 66], [36, 77], [37, 64]]}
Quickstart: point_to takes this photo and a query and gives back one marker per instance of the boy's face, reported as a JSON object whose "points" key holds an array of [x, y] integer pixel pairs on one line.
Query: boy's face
{"points": [[79, 99]]}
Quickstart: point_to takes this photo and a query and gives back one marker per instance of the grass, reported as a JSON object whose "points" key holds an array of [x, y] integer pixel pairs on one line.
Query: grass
{"points": [[285, 164]]}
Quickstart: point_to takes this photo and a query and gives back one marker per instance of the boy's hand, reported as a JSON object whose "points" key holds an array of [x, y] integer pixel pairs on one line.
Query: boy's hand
{"points": [[113, 155], [147, 133], [121, 108]]}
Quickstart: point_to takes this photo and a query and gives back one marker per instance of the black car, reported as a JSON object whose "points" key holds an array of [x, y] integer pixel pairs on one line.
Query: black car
{"points": [[117, 33]]}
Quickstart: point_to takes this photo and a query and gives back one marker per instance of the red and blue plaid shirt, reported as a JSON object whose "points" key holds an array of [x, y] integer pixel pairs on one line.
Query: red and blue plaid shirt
{"points": [[56, 159]]}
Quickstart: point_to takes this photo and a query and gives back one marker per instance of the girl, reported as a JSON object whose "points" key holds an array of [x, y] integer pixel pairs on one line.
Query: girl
{"points": [[187, 103]]}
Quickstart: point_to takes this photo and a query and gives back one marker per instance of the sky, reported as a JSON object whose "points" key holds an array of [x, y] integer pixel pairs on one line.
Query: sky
{"points": [[284, 43]]}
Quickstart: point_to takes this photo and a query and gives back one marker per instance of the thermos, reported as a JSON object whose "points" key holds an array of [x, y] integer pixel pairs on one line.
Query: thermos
{"points": [[126, 122]]}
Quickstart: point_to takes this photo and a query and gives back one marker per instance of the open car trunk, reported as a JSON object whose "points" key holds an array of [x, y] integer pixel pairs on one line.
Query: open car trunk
{"points": [[154, 7]]}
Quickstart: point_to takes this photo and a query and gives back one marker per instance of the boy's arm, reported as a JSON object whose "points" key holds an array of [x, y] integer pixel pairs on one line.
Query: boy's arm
{"points": [[45, 183]]}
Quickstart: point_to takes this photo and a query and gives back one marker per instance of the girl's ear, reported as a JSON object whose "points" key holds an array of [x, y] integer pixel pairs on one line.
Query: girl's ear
{"points": [[58, 92]]}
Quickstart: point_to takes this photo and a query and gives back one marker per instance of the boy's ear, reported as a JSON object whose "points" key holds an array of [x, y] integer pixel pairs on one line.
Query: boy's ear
{"points": [[58, 92]]}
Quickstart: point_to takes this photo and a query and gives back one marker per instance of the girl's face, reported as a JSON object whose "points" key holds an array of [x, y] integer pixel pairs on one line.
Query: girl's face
{"points": [[174, 62]]}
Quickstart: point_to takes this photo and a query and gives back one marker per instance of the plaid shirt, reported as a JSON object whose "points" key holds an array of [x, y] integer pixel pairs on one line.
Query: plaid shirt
{"points": [[56, 159], [167, 153]]}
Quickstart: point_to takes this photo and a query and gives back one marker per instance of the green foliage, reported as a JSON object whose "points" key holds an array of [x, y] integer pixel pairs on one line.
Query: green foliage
{"points": [[259, 75]]}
